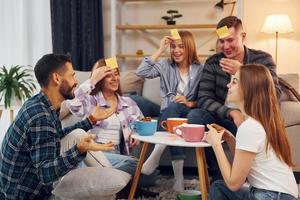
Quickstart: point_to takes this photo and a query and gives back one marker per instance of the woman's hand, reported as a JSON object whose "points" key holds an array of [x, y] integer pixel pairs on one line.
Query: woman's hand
{"points": [[99, 72], [180, 99], [214, 137], [165, 43], [88, 144], [133, 142]]}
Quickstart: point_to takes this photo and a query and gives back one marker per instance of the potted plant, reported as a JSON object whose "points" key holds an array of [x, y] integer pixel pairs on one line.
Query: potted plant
{"points": [[16, 83], [170, 19]]}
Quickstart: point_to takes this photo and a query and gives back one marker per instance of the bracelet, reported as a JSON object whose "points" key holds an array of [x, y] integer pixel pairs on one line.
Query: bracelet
{"points": [[92, 119]]}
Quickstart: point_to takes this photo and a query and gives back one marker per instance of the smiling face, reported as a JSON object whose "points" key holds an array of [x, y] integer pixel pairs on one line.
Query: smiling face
{"points": [[234, 90], [177, 50], [233, 45], [111, 82]]}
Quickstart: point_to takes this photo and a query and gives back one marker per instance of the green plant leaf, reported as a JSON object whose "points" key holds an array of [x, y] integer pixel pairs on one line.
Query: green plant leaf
{"points": [[18, 81]]}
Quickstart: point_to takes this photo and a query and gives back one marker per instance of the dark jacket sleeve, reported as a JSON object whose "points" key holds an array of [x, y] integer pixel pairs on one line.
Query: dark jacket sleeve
{"points": [[207, 98]]}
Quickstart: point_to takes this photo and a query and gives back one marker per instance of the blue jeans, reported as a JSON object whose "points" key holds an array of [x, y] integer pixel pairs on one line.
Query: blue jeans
{"points": [[128, 164], [201, 116], [174, 110], [219, 191]]}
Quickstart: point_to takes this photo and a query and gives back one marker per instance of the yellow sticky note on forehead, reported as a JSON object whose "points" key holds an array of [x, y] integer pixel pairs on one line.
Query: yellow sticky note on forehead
{"points": [[175, 35], [223, 32], [111, 62]]}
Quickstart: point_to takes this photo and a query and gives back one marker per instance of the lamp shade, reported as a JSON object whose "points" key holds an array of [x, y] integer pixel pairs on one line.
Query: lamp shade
{"points": [[277, 23]]}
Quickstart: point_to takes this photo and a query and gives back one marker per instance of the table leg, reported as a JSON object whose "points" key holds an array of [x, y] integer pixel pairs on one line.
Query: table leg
{"points": [[138, 171], [0, 113], [202, 172]]}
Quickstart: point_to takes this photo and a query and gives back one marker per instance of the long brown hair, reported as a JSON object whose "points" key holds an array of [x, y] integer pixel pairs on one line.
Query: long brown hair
{"points": [[99, 85], [260, 102], [190, 47]]}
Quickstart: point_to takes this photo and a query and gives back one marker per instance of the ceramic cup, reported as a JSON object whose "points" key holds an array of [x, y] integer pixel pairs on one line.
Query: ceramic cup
{"points": [[190, 132], [189, 195], [144, 128], [170, 123]]}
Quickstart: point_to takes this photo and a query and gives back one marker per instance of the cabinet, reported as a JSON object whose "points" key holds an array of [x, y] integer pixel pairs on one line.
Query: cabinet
{"points": [[140, 26]]}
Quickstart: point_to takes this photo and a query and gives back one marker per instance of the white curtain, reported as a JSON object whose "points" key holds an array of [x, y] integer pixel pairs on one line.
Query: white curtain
{"points": [[25, 35]]}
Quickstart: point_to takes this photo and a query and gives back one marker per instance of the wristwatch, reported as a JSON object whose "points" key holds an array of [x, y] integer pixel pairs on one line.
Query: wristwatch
{"points": [[92, 119]]}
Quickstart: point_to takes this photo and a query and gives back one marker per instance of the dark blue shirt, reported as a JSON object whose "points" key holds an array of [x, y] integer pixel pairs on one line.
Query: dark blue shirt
{"points": [[30, 153]]}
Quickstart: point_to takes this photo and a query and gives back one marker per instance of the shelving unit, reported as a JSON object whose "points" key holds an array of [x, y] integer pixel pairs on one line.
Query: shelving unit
{"points": [[148, 30], [163, 26]]}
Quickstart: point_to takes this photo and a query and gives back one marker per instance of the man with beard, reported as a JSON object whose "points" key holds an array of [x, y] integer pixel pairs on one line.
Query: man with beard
{"points": [[30, 153]]}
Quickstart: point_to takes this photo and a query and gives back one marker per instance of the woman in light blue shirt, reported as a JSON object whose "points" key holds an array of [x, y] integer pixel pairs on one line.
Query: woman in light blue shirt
{"points": [[179, 80]]}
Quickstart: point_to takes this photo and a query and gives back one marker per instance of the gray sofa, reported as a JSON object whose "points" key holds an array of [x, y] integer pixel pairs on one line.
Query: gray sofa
{"points": [[149, 89]]}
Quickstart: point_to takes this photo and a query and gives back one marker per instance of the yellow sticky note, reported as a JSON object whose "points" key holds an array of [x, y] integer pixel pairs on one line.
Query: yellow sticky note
{"points": [[175, 35], [112, 62], [223, 32]]}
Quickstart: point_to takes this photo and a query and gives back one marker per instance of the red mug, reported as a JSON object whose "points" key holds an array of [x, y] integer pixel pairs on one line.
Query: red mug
{"points": [[190, 132]]}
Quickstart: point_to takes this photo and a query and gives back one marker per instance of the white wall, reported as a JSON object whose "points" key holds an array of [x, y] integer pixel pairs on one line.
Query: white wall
{"points": [[25, 35], [255, 12]]}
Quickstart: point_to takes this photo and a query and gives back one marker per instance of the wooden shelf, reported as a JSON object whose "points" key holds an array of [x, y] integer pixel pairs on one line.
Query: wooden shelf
{"points": [[123, 56], [164, 26]]}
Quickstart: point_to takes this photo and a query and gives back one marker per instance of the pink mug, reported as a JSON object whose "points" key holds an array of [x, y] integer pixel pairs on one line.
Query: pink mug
{"points": [[190, 132]]}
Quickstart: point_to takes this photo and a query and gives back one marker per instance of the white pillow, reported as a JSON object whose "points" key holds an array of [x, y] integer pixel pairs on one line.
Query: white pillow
{"points": [[91, 182]]}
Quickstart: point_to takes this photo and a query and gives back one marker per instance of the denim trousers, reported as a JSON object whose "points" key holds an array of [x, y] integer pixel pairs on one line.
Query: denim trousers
{"points": [[219, 191], [128, 164], [204, 117], [174, 110]]}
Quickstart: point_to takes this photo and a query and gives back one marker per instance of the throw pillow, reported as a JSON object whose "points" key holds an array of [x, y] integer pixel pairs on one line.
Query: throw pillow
{"points": [[91, 182], [130, 82]]}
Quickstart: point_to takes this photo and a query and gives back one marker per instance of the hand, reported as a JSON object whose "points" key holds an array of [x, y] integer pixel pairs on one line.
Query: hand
{"points": [[99, 72], [100, 113], [88, 144], [237, 117], [165, 43], [133, 142], [229, 65], [226, 135], [213, 137], [180, 99]]}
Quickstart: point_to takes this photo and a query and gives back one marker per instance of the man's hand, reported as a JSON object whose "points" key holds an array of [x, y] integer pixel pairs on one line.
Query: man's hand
{"points": [[237, 117], [100, 113], [229, 65], [88, 144], [99, 73]]}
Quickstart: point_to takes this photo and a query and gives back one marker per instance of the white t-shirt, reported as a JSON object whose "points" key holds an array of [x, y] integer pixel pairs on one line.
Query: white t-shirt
{"points": [[267, 171], [110, 133], [184, 80]]}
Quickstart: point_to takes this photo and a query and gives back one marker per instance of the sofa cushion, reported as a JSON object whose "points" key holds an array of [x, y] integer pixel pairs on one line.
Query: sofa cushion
{"points": [[151, 90], [290, 112], [293, 80], [91, 183], [131, 83]]}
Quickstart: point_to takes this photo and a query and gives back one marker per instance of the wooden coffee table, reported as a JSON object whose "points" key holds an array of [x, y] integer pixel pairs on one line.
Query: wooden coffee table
{"points": [[172, 140]]}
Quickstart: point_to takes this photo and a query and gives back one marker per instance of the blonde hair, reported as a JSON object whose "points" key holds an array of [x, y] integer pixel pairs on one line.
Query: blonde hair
{"points": [[190, 47], [260, 102]]}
